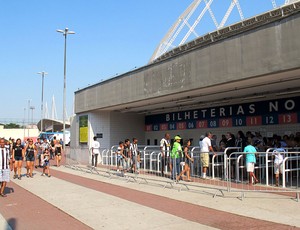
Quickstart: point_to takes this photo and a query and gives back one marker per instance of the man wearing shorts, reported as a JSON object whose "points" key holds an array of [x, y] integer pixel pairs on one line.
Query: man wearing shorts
{"points": [[205, 148], [250, 161], [4, 167], [278, 154]]}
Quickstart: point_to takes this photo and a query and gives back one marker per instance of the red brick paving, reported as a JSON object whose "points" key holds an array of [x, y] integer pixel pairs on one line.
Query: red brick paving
{"points": [[23, 210], [196, 213]]}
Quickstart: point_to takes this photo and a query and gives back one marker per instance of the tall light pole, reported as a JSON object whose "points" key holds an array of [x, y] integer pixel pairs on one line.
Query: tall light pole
{"points": [[29, 100], [32, 108], [24, 123], [43, 73], [65, 33]]}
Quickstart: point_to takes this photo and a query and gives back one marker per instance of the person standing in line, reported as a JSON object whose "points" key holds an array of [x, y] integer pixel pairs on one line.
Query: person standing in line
{"points": [[250, 161], [205, 148], [187, 159], [4, 167], [134, 154], [165, 153], [95, 146], [278, 155], [120, 156], [240, 140], [58, 151], [18, 157], [175, 157], [30, 154], [127, 156]]}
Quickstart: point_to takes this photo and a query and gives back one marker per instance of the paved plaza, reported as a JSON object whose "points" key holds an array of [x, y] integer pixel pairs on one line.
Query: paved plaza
{"points": [[73, 199]]}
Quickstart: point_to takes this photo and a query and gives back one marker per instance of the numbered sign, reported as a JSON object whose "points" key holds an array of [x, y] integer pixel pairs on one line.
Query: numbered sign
{"points": [[172, 126], [290, 118], [254, 121], [163, 127], [181, 125], [213, 123], [271, 119], [239, 121], [191, 124], [201, 124], [148, 128], [225, 122], [155, 127]]}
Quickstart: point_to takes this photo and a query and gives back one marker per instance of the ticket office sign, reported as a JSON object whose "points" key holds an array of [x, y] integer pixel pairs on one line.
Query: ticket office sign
{"points": [[284, 111]]}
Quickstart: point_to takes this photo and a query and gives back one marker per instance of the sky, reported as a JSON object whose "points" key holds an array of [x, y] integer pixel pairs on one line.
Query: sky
{"points": [[111, 38]]}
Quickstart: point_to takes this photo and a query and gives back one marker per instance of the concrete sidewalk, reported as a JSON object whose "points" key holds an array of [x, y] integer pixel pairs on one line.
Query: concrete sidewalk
{"points": [[115, 209], [99, 210], [262, 206]]}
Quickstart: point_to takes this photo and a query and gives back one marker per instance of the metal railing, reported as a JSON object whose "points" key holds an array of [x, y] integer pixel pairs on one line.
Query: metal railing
{"points": [[225, 172]]}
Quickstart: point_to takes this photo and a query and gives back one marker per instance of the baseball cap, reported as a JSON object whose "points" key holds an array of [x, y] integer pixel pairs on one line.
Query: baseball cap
{"points": [[177, 138]]}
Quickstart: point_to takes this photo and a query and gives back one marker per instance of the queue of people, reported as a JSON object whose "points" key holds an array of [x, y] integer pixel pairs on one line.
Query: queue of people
{"points": [[175, 153], [176, 159], [128, 156]]}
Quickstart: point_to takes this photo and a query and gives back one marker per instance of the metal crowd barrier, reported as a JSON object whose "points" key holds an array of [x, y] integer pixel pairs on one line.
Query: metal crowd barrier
{"points": [[289, 179], [226, 171]]}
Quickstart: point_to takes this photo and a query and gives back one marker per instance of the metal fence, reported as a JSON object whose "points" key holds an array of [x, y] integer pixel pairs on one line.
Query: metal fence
{"points": [[226, 171]]}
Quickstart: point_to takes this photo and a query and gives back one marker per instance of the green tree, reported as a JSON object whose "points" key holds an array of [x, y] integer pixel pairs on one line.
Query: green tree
{"points": [[12, 126]]}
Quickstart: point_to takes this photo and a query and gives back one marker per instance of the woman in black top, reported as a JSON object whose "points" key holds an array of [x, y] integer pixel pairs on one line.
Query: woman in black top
{"points": [[187, 161], [58, 150], [30, 153], [18, 156]]}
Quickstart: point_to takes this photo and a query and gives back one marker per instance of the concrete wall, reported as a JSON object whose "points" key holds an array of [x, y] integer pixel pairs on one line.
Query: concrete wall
{"points": [[18, 133], [114, 126], [264, 50]]}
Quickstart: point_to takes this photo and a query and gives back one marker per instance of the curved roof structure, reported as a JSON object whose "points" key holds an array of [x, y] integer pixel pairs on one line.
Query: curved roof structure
{"points": [[52, 125]]}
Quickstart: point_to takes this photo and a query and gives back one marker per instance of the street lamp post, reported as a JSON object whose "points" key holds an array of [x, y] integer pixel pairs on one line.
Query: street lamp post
{"points": [[43, 73], [29, 100], [32, 108], [65, 33]]}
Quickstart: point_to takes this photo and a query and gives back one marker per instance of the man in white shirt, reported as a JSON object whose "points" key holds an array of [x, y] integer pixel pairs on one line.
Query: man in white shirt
{"points": [[4, 166], [165, 153], [205, 148], [95, 152]]}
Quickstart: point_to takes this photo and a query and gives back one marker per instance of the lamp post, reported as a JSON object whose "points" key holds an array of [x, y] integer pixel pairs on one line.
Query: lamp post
{"points": [[43, 73], [29, 100], [32, 108], [65, 33], [24, 124]]}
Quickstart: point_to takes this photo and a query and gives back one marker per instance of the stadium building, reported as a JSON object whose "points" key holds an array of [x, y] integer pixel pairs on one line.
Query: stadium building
{"points": [[245, 76]]}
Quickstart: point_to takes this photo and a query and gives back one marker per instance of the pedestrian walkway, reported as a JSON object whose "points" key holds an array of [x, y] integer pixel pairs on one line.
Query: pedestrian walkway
{"points": [[91, 201]]}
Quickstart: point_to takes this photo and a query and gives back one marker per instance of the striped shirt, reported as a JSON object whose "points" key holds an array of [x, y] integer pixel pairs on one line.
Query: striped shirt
{"points": [[4, 158]]}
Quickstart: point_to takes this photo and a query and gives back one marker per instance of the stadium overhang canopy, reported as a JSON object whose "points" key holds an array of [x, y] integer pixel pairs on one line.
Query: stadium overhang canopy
{"points": [[52, 125]]}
